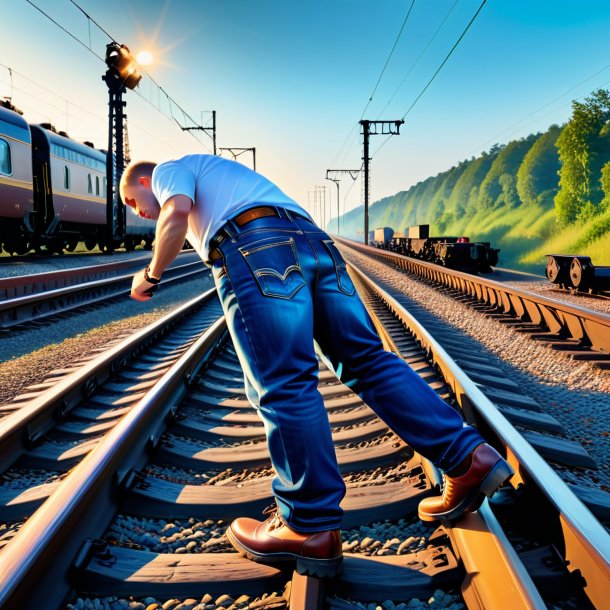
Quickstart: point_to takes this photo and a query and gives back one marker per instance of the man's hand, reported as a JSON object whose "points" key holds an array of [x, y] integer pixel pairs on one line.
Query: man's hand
{"points": [[141, 290]]}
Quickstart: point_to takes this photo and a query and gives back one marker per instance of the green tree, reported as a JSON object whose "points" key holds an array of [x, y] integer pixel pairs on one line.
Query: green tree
{"points": [[509, 196], [605, 182], [537, 179], [461, 202], [507, 162], [583, 147]]}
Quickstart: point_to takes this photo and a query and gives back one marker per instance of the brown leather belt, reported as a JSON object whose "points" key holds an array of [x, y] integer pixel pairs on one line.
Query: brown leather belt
{"points": [[245, 217], [252, 214]]}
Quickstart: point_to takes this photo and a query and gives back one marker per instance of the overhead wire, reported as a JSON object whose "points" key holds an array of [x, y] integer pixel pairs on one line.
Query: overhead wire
{"points": [[402, 27], [24, 77], [353, 133], [351, 187], [438, 29], [453, 48], [170, 100], [91, 19], [61, 27], [514, 125], [71, 103]]}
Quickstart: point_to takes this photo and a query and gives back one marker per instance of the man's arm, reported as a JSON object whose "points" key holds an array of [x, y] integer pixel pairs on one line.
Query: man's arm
{"points": [[172, 226]]}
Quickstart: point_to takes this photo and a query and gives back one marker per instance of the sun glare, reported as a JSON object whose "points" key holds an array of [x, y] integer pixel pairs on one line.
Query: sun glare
{"points": [[144, 58]]}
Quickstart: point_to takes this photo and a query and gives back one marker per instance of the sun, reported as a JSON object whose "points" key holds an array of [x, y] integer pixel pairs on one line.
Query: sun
{"points": [[144, 58]]}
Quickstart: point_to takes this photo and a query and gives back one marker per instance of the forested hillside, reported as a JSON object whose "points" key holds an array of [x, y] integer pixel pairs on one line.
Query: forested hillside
{"points": [[546, 193]]}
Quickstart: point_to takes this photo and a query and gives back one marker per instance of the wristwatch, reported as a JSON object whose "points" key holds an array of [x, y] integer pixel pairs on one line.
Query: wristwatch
{"points": [[149, 278]]}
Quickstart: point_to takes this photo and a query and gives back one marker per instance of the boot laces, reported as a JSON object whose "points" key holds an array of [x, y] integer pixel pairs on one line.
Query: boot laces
{"points": [[273, 516]]}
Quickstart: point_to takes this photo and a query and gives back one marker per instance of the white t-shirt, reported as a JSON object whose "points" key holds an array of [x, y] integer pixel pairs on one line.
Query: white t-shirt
{"points": [[220, 189]]}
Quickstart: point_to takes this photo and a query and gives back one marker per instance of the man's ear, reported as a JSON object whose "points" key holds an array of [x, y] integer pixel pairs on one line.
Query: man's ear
{"points": [[144, 181]]}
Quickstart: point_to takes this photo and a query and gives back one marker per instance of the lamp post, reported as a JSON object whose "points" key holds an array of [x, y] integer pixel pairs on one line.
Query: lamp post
{"points": [[122, 74]]}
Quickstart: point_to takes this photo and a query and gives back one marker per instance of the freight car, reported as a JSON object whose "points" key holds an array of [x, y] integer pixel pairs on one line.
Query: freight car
{"points": [[53, 191], [451, 252], [577, 273], [383, 234]]}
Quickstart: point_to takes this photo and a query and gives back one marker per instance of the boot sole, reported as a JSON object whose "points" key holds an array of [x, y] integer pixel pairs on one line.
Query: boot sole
{"points": [[306, 566], [491, 482]]}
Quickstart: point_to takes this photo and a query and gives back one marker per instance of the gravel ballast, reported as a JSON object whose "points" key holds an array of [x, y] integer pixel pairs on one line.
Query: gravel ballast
{"points": [[27, 356], [575, 392], [550, 291]]}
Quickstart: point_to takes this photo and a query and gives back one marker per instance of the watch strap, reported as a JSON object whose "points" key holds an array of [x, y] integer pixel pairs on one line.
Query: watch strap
{"points": [[148, 278]]}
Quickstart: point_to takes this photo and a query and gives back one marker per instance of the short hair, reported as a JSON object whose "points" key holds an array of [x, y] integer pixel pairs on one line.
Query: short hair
{"points": [[134, 171]]}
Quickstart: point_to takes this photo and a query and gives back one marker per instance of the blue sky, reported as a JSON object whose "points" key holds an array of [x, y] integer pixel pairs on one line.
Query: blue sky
{"points": [[293, 78]]}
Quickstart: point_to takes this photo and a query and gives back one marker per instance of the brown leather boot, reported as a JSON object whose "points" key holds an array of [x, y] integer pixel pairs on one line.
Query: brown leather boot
{"points": [[488, 470], [272, 541]]}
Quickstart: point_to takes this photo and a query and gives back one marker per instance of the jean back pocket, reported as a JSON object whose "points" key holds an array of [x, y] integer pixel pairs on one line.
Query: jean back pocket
{"points": [[343, 279], [275, 265]]}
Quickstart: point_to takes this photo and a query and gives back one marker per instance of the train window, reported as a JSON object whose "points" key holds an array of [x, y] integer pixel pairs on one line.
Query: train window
{"points": [[97, 185], [66, 177], [89, 185], [5, 158], [83, 159]]}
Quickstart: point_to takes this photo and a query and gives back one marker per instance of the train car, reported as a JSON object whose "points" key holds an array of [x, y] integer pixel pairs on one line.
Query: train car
{"points": [[69, 190], [53, 191], [383, 234], [452, 252], [16, 184]]}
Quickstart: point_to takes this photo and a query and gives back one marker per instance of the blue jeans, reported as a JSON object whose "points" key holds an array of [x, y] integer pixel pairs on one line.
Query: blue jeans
{"points": [[283, 283]]}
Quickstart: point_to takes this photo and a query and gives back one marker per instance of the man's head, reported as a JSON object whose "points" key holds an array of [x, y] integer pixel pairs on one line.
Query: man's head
{"points": [[136, 189]]}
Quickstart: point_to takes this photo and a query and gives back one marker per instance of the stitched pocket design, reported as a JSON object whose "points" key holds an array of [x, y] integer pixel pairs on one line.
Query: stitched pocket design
{"points": [[275, 265], [343, 279]]}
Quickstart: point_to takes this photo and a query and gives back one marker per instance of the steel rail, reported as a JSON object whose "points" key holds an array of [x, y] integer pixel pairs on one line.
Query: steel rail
{"points": [[21, 310], [61, 277], [586, 541], [74, 274], [93, 507], [48, 295], [589, 328], [20, 430], [494, 562], [35, 562]]}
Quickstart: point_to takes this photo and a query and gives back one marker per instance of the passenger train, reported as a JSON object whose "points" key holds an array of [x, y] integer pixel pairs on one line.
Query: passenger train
{"points": [[53, 191]]}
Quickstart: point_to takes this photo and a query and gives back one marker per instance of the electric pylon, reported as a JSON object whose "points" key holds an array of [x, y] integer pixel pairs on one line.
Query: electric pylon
{"points": [[206, 129], [370, 128], [353, 173]]}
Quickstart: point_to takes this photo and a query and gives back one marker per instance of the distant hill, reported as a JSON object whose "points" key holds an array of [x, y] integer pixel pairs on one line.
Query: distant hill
{"points": [[545, 193]]}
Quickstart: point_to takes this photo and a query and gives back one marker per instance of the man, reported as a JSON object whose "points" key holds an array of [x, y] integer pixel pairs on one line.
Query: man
{"points": [[283, 284]]}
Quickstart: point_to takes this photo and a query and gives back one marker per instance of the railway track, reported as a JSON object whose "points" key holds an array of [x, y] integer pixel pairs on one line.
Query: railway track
{"points": [[581, 333], [40, 298], [179, 454]]}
